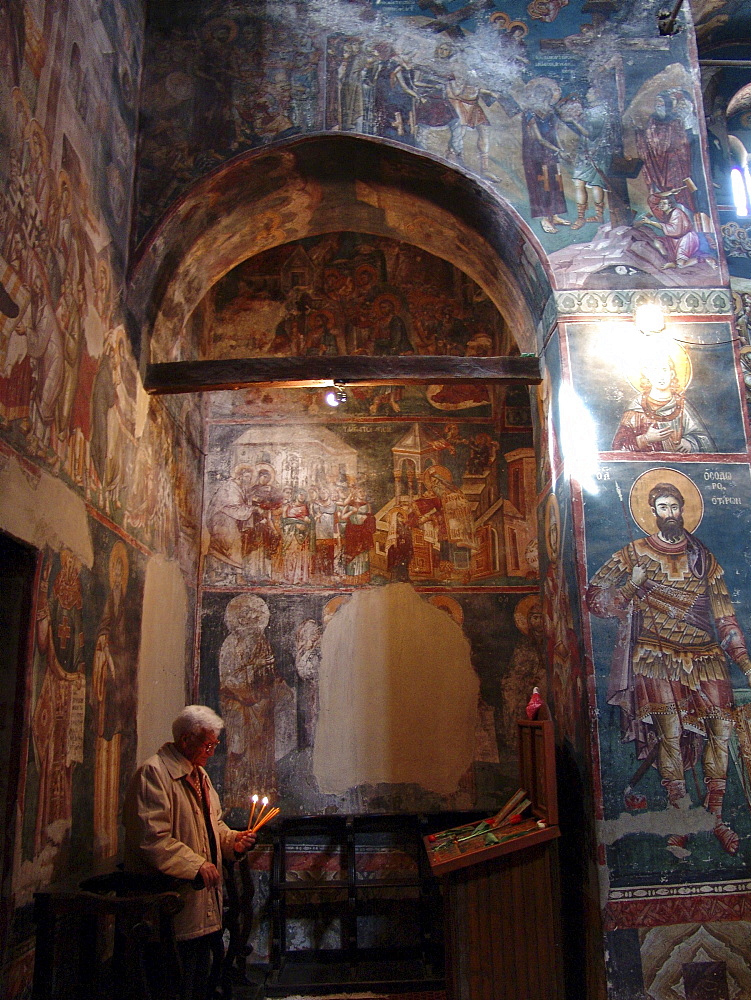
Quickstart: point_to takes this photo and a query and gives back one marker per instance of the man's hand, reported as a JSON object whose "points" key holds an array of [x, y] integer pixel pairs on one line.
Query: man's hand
{"points": [[244, 841], [209, 875], [638, 575]]}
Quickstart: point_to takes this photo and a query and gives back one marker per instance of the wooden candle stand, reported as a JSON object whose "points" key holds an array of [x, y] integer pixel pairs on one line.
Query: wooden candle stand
{"points": [[501, 900]]}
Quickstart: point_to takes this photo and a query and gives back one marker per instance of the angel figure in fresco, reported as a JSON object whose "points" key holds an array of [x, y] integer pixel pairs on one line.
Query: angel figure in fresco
{"points": [[246, 694], [659, 418], [57, 725], [677, 632], [114, 700], [566, 686]]}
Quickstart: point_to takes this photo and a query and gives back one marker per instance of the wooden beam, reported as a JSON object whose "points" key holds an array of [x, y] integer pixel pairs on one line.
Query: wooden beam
{"points": [[205, 376]]}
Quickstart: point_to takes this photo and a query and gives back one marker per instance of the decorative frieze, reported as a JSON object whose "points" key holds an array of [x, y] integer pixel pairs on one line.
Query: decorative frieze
{"points": [[623, 302]]}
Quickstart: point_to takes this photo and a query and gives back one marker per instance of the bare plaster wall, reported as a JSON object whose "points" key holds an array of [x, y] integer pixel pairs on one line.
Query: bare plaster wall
{"points": [[398, 694], [41, 510], [161, 675]]}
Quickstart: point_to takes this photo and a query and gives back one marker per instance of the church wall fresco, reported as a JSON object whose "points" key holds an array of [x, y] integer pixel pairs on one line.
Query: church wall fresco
{"points": [[70, 395], [72, 407], [363, 501], [672, 836], [586, 123], [637, 825], [281, 653], [397, 488], [347, 293], [79, 744], [683, 385], [662, 858]]}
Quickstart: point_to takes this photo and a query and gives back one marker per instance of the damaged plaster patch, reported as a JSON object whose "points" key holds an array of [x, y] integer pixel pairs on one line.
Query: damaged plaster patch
{"points": [[662, 824], [161, 659], [42, 510], [398, 695]]}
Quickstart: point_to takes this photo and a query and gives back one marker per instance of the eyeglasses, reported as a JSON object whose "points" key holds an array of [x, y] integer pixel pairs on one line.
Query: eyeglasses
{"points": [[209, 746]]}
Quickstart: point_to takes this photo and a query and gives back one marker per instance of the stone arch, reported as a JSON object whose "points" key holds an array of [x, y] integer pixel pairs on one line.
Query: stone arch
{"points": [[323, 184]]}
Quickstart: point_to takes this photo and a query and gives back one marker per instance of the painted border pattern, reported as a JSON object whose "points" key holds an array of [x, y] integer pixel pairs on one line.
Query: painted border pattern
{"points": [[716, 908], [623, 302]]}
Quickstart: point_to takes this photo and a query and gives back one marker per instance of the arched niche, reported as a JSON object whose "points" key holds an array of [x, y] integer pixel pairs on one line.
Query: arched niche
{"points": [[325, 184]]}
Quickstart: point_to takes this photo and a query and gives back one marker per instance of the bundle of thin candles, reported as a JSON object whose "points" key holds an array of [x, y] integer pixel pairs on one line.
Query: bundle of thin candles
{"points": [[263, 816]]}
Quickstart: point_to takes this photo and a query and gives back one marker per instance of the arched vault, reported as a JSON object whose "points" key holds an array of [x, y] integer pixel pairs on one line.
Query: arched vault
{"points": [[324, 184]]}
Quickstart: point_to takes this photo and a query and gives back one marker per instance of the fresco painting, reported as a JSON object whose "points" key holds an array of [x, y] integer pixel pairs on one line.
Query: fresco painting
{"points": [[431, 404], [351, 294], [70, 395], [369, 502], [262, 653], [655, 395], [585, 124], [72, 407], [544, 103], [671, 738], [82, 739]]}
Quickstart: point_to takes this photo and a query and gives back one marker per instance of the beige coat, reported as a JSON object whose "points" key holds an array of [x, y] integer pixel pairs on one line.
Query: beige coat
{"points": [[165, 831]]}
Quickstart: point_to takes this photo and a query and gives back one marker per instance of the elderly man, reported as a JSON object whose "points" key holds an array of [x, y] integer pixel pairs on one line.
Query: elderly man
{"points": [[173, 826]]}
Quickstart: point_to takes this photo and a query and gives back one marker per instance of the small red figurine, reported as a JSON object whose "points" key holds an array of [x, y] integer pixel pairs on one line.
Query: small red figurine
{"points": [[534, 704]]}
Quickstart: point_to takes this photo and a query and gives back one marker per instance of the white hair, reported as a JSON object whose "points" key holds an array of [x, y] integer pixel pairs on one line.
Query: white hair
{"points": [[194, 719]]}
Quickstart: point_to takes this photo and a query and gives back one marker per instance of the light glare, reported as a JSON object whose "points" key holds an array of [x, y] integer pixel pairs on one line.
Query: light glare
{"points": [[740, 198]]}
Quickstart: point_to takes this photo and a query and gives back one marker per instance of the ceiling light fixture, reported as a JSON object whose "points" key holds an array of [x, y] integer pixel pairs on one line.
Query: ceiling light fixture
{"points": [[335, 396]]}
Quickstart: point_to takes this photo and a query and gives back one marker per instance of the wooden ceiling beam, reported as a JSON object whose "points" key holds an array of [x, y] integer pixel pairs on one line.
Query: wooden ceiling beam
{"points": [[210, 376]]}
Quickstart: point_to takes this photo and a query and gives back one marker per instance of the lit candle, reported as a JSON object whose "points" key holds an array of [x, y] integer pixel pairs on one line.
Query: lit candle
{"points": [[254, 803], [269, 815], [264, 803]]}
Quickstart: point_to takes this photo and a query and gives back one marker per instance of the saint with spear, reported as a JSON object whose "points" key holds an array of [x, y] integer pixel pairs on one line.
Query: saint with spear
{"points": [[677, 632]]}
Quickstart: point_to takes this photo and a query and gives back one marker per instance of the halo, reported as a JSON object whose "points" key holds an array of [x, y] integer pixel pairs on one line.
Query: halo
{"points": [[693, 509], [18, 99], [329, 314], [552, 514], [441, 472], [674, 352], [449, 605], [500, 19], [34, 128], [331, 607], [522, 609], [240, 468], [220, 22], [518, 24], [246, 611], [265, 467], [366, 269], [544, 81], [389, 297], [119, 554]]}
